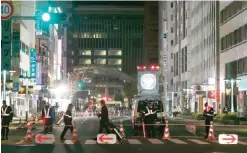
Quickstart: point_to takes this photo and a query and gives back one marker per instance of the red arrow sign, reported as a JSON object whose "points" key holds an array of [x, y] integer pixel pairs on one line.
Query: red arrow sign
{"points": [[41, 138], [230, 139], [102, 138]]}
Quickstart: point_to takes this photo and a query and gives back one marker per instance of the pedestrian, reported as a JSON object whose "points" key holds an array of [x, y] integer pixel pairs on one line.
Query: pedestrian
{"points": [[67, 121], [149, 120], [47, 120], [104, 119], [6, 116], [209, 116]]}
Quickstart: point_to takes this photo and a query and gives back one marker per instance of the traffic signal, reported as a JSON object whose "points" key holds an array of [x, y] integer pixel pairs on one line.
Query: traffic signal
{"points": [[81, 85], [53, 18]]}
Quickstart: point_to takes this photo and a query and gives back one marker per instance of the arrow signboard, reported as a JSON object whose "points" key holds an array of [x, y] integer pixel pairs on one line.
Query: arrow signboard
{"points": [[106, 138], [228, 139], [45, 138]]}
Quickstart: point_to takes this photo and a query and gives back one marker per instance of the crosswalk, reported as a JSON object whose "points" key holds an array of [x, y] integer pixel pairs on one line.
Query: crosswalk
{"points": [[134, 141]]}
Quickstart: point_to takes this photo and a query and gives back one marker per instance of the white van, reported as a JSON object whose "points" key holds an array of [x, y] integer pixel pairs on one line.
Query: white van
{"points": [[138, 105]]}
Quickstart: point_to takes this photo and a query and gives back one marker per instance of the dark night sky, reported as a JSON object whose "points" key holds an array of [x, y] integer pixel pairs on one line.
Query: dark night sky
{"points": [[115, 3]]}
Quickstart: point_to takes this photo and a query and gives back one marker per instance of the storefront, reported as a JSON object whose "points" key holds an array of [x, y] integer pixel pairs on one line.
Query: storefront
{"points": [[242, 96]]}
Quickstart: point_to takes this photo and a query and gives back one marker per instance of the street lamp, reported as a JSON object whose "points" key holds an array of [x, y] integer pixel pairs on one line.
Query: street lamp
{"points": [[232, 90]]}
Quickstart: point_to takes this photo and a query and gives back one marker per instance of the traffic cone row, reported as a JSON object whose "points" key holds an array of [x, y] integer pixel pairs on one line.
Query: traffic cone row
{"points": [[211, 132], [166, 135]]}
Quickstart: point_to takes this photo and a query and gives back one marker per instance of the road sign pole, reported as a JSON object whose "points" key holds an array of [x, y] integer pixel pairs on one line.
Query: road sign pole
{"points": [[4, 84]]}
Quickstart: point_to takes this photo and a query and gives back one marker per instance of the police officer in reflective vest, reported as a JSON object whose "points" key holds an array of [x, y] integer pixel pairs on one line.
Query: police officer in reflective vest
{"points": [[47, 120], [209, 116], [67, 121], [6, 116], [149, 120]]}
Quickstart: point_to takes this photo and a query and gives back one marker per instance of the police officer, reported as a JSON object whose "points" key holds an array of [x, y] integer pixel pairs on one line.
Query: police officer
{"points": [[103, 117], [149, 120], [67, 121], [47, 120], [209, 116], [6, 116]]}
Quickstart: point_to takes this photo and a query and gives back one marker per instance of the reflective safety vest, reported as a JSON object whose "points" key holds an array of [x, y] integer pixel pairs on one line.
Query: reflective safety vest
{"points": [[4, 111], [149, 112], [47, 112], [208, 113]]}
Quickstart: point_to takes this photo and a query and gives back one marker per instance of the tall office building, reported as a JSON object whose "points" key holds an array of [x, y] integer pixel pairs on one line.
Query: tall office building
{"points": [[193, 37], [106, 35], [233, 58], [150, 32]]}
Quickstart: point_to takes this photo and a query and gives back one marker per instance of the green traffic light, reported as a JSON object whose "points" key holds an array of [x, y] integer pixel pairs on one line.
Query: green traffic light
{"points": [[46, 17]]}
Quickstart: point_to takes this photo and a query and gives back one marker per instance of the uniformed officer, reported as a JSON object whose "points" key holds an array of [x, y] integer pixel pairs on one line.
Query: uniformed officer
{"points": [[67, 121], [6, 116], [149, 120], [209, 116], [47, 120]]}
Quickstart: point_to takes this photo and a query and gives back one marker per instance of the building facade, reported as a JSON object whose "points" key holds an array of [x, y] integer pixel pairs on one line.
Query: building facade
{"points": [[150, 32], [104, 35], [233, 57], [193, 37]]}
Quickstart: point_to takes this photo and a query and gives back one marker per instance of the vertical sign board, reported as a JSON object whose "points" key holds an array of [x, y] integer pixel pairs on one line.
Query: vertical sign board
{"points": [[6, 45], [33, 63], [7, 10]]}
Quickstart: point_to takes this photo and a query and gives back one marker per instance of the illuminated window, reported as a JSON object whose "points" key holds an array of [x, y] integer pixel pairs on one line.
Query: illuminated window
{"points": [[100, 61], [114, 52], [75, 35], [100, 52], [114, 61], [85, 61], [86, 52]]}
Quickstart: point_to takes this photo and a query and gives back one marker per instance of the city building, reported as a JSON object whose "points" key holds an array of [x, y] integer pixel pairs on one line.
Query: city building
{"points": [[150, 32], [193, 38], [106, 35], [23, 46], [233, 57]]}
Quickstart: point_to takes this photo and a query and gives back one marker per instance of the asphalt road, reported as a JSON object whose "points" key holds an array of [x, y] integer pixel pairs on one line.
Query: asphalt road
{"points": [[181, 141]]}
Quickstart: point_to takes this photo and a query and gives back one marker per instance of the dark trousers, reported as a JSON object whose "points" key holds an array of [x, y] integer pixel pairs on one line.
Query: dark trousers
{"points": [[150, 129], [48, 126], [66, 128], [102, 126], [207, 126], [5, 130]]}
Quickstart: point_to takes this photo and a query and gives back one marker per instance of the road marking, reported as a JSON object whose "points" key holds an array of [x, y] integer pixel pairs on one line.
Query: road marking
{"points": [[242, 142], [134, 141], [68, 142], [90, 142], [198, 141], [155, 141], [177, 141]]}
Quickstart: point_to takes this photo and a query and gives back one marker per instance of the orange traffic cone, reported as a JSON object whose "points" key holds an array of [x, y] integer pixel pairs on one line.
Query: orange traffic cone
{"points": [[211, 132], [29, 136], [122, 129], [74, 137], [166, 132]]}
